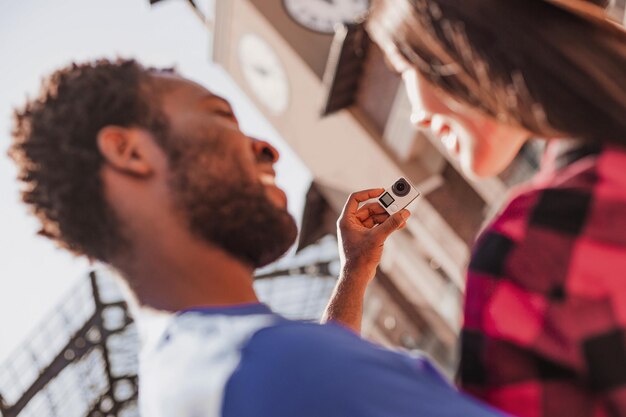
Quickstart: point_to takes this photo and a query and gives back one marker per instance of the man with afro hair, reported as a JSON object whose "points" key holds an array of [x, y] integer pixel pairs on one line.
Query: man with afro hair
{"points": [[149, 173]]}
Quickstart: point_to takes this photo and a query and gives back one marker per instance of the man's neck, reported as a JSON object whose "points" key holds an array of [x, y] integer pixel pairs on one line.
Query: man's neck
{"points": [[181, 272]]}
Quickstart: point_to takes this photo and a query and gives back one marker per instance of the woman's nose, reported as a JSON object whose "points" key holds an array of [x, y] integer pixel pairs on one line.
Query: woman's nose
{"points": [[264, 151]]}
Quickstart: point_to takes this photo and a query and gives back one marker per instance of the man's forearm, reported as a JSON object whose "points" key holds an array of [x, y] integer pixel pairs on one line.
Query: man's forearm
{"points": [[346, 303]]}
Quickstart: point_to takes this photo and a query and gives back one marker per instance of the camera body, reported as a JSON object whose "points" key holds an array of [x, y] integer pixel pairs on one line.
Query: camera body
{"points": [[398, 196]]}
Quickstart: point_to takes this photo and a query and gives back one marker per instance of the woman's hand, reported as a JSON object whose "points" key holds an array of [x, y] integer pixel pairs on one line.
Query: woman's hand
{"points": [[362, 233]]}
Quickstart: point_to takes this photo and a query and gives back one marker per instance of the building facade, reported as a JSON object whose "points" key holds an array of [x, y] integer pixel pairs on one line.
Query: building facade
{"points": [[326, 88]]}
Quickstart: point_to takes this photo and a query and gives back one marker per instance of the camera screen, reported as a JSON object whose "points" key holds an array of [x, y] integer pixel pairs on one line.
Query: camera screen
{"points": [[386, 199]]}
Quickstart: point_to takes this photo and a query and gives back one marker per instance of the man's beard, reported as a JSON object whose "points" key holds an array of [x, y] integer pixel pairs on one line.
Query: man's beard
{"points": [[229, 211]]}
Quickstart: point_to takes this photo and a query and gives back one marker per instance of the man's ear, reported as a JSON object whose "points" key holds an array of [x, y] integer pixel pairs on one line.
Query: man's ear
{"points": [[126, 150]]}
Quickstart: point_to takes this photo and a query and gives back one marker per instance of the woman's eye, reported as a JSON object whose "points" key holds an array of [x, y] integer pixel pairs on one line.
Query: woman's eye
{"points": [[225, 113]]}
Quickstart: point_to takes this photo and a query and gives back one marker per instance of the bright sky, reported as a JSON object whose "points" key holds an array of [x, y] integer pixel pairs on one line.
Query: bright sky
{"points": [[38, 36]]}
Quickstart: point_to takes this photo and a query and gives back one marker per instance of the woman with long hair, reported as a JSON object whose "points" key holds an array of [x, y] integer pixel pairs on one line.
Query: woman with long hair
{"points": [[545, 309]]}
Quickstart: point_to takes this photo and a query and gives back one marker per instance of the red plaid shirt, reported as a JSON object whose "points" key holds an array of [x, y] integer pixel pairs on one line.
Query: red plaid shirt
{"points": [[545, 313]]}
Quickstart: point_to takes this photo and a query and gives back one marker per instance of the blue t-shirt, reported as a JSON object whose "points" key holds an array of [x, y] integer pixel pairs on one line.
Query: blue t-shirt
{"points": [[245, 361]]}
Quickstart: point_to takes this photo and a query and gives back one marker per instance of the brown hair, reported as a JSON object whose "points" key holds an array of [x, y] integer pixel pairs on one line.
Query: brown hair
{"points": [[524, 62], [55, 150]]}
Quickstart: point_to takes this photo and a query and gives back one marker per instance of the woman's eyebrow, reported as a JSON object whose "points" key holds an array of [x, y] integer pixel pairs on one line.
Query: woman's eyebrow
{"points": [[213, 98]]}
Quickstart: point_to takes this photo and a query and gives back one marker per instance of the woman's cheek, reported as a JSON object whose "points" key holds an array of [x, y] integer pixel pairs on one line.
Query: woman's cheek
{"points": [[469, 162]]}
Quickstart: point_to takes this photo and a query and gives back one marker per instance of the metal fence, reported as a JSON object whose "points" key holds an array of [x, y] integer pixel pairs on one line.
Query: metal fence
{"points": [[83, 360]]}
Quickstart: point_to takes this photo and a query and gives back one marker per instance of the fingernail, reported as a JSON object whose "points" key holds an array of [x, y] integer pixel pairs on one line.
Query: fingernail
{"points": [[405, 214]]}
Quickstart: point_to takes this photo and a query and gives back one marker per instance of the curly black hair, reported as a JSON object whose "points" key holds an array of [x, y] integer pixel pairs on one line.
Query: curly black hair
{"points": [[55, 149]]}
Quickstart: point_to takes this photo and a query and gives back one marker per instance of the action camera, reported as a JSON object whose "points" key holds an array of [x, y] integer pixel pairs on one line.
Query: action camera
{"points": [[398, 196]]}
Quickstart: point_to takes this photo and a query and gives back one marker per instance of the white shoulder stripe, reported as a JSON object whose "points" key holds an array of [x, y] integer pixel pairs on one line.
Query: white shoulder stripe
{"points": [[184, 374]]}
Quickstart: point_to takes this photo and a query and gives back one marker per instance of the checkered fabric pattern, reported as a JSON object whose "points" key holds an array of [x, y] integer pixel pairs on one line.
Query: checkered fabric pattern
{"points": [[545, 315]]}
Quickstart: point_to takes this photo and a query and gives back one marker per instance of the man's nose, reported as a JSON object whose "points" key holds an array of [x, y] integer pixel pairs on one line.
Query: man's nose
{"points": [[264, 151]]}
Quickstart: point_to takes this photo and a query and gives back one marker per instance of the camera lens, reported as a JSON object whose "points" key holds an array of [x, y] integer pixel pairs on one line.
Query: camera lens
{"points": [[401, 187]]}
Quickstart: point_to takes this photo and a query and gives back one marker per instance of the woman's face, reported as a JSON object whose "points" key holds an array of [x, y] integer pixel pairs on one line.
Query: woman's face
{"points": [[483, 146]]}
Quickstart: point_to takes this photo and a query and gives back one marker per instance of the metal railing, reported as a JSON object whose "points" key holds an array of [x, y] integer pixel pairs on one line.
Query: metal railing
{"points": [[81, 362]]}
